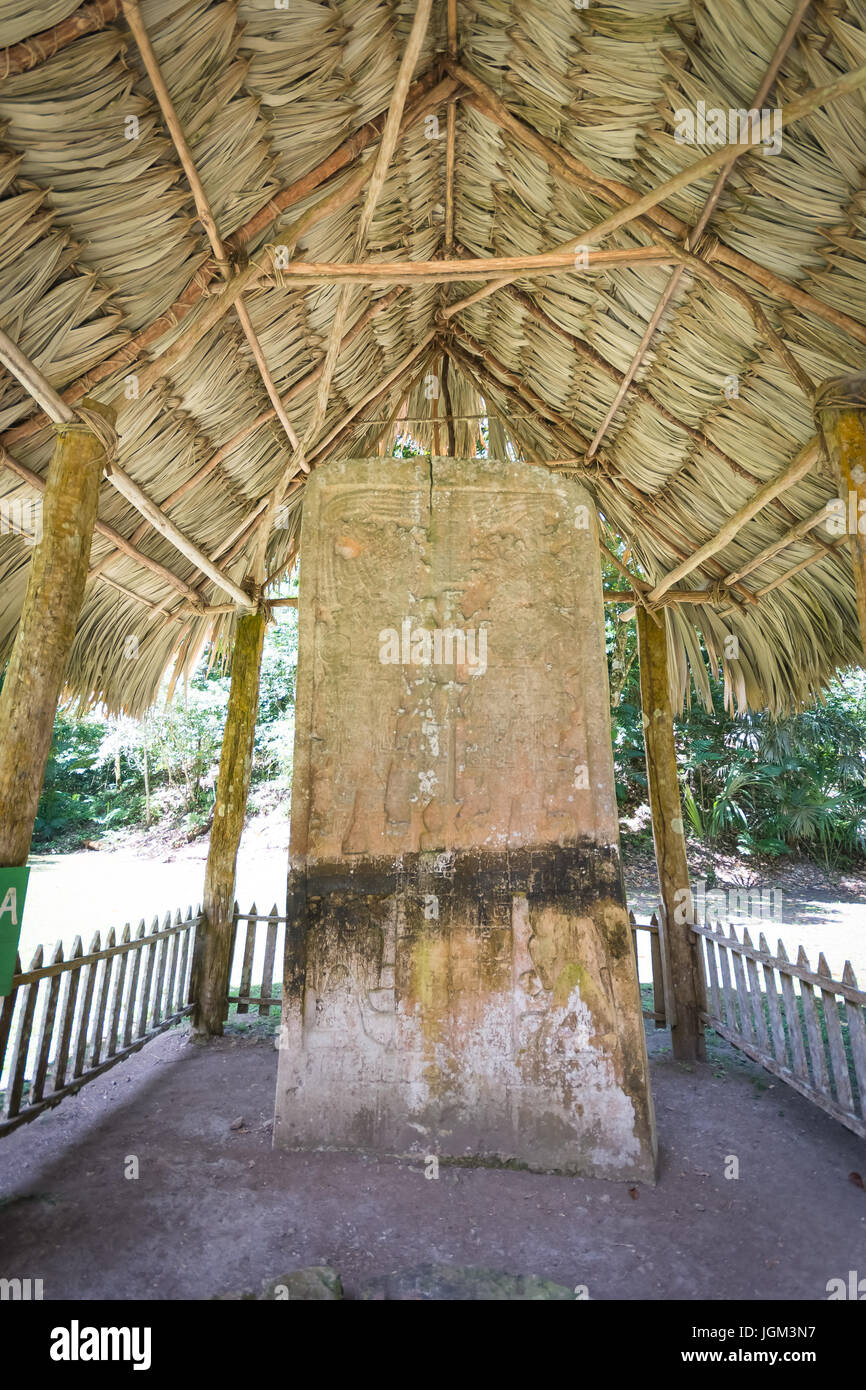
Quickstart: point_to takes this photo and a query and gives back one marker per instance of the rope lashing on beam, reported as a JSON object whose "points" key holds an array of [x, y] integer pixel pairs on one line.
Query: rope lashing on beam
{"points": [[104, 430]]}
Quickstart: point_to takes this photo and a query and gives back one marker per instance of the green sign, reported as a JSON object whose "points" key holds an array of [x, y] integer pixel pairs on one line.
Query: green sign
{"points": [[13, 890]]}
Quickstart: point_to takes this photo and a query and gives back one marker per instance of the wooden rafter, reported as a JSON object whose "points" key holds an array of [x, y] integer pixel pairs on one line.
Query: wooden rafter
{"points": [[443, 271], [427, 94], [41, 389], [795, 534], [617, 194], [89, 19], [697, 231], [132, 14], [375, 184], [102, 528], [795, 471]]}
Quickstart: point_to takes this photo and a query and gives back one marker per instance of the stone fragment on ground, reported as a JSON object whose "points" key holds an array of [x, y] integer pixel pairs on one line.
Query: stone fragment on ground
{"points": [[456, 1283]]}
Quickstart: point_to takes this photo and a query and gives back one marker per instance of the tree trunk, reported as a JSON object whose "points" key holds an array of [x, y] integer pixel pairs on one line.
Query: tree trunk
{"points": [[212, 962], [687, 1034], [46, 629], [840, 410]]}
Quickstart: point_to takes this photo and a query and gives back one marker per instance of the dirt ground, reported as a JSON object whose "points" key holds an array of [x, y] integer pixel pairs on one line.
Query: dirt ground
{"points": [[216, 1210]]}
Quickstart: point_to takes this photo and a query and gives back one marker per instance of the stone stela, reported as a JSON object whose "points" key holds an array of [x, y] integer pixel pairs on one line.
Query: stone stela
{"points": [[460, 978]]}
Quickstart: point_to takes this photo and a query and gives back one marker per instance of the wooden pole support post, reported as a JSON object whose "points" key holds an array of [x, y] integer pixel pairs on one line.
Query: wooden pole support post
{"points": [[46, 629], [212, 958], [840, 410], [687, 1032]]}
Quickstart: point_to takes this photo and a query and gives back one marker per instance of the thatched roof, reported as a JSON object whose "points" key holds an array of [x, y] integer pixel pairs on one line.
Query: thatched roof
{"points": [[562, 116]]}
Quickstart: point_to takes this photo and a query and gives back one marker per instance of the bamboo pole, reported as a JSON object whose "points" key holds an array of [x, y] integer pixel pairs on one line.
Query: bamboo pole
{"points": [[840, 410], [687, 1033], [46, 630], [212, 957], [471, 268]]}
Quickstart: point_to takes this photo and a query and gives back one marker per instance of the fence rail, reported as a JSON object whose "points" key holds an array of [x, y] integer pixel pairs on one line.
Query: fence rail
{"points": [[815, 1042], [69, 1020]]}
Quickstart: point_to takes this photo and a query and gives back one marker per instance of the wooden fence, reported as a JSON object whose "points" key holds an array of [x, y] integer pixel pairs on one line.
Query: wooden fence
{"points": [[662, 995], [254, 961], [67, 1021], [799, 1023]]}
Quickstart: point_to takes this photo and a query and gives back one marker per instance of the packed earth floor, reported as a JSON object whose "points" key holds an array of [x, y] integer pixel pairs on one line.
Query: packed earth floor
{"points": [[215, 1210]]}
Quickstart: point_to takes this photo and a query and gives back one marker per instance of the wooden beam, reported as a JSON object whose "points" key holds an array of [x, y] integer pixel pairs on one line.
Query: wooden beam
{"points": [[89, 19], [797, 469], [46, 631], [840, 410], [212, 955], [687, 1033], [821, 554], [129, 489], [110, 534]]}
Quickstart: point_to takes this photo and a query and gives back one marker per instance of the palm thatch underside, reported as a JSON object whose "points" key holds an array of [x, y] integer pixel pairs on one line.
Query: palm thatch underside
{"points": [[668, 361]]}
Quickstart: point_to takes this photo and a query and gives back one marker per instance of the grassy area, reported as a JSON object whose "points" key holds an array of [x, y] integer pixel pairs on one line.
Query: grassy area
{"points": [[263, 1025]]}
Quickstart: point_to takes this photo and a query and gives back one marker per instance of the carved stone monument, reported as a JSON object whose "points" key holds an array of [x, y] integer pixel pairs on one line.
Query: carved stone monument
{"points": [[460, 978]]}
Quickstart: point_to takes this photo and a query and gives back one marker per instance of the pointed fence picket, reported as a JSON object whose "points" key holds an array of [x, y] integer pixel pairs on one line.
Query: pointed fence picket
{"points": [[662, 996], [799, 1023], [254, 954], [67, 1021]]}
